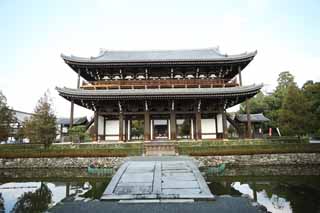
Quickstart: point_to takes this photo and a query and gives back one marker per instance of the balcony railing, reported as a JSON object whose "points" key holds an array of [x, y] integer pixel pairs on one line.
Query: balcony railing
{"points": [[153, 84]]}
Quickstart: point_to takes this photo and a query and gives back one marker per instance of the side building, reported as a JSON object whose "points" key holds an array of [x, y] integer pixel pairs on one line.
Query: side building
{"points": [[159, 95]]}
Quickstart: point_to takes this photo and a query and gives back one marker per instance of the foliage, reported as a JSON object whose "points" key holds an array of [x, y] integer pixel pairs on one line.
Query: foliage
{"points": [[78, 133], [37, 201], [295, 111], [41, 126], [293, 115], [312, 94], [137, 129], [2, 208], [248, 149], [6, 118]]}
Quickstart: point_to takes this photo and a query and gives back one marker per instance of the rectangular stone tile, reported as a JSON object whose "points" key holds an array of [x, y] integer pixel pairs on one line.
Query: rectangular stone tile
{"points": [[180, 185], [178, 178], [129, 190], [135, 184], [137, 177], [194, 191]]}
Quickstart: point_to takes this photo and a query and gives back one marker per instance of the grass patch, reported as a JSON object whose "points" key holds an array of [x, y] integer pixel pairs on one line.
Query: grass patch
{"points": [[70, 150]]}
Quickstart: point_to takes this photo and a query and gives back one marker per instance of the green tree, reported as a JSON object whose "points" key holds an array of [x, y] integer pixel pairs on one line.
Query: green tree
{"points": [[294, 113], [41, 126], [6, 118], [311, 91], [78, 133]]}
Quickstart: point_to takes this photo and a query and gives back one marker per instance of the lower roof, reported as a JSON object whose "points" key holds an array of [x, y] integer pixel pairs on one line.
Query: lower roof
{"points": [[178, 93]]}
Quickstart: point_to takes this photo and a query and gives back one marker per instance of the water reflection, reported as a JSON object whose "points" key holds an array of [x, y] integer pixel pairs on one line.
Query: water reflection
{"points": [[278, 193], [37, 201], [39, 196]]}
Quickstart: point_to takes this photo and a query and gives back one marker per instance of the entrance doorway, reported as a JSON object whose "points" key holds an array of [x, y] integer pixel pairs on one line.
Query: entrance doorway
{"points": [[160, 130]]}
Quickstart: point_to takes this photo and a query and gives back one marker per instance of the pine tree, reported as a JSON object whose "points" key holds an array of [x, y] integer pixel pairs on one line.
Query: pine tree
{"points": [[6, 118], [41, 127], [294, 113]]}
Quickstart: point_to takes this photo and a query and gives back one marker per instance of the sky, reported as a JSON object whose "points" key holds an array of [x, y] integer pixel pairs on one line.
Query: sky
{"points": [[34, 33]]}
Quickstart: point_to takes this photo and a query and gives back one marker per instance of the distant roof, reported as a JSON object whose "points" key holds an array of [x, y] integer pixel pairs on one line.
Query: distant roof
{"points": [[209, 54], [76, 121], [21, 116], [253, 117]]}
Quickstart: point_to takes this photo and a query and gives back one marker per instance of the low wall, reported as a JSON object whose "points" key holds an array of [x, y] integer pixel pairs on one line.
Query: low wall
{"points": [[204, 161], [260, 159], [76, 162]]}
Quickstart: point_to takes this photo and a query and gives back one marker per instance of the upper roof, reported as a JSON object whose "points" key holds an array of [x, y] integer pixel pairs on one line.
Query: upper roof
{"points": [[209, 54], [253, 117]]}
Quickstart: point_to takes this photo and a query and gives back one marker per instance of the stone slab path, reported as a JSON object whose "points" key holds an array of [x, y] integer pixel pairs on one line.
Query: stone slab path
{"points": [[157, 178]]}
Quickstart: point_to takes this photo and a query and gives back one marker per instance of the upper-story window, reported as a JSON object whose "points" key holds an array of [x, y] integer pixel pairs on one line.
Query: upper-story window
{"points": [[189, 76], [141, 77], [178, 76], [202, 76]]}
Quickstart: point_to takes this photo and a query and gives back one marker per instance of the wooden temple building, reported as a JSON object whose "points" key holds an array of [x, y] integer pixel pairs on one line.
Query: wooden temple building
{"points": [[159, 95]]}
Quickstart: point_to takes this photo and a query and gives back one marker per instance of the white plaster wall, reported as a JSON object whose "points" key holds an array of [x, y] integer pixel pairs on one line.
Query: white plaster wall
{"points": [[220, 124], [208, 126], [112, 128], [100, 125]]}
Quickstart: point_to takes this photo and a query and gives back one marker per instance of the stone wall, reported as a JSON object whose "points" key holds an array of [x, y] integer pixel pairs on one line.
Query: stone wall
{"points": [[260, 159], [76, 162], [115, 162]]}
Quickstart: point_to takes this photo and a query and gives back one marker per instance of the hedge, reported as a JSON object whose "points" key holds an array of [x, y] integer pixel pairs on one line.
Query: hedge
{"points": [[248, 149]]}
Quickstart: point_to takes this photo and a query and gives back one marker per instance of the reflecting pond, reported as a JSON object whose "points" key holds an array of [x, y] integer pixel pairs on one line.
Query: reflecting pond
{"points": [[279, 188]]}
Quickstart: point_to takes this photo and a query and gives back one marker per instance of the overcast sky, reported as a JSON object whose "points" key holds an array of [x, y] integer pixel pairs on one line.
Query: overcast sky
{"points": [[33, 34]]}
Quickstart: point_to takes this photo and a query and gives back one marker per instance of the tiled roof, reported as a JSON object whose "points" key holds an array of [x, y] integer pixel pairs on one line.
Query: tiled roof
{"points": [[253, 117], [170, 92], [209, 54], [76, 121]]}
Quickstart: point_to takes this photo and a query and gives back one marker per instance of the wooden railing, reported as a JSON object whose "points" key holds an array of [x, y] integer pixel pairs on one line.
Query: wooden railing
{"points": [[152, 84]]}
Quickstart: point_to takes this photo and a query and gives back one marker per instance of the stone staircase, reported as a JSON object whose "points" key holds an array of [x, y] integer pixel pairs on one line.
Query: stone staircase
{"points": [[160, 149]]}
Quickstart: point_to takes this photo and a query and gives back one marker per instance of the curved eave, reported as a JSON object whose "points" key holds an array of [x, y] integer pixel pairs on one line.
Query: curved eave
{"points": [[176, 93], [228, 59]]}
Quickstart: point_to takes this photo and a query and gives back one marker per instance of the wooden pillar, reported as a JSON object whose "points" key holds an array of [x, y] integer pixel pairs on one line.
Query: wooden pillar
{"points": [[173, 125], [240, 77], [71, 114], [104, 128], [224, 124], [120, 126], [146, 126], [72, 102], [96, 124], [249, 135], [198, 126], [126, 130]]}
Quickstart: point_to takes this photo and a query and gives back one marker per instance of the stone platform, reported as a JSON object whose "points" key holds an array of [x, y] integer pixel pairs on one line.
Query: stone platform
{"points": [[158, 178]]}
